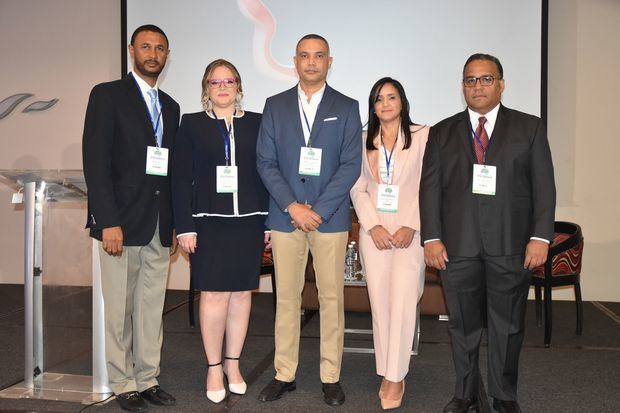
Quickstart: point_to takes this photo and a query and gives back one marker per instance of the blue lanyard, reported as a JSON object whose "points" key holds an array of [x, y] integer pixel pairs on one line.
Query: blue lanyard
{"points": [[388, 160], [306, 119], [225, 137], [157, 126]]}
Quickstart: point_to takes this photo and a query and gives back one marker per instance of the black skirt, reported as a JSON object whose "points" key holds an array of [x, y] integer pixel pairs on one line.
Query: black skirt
{"points": [[228, 253]]}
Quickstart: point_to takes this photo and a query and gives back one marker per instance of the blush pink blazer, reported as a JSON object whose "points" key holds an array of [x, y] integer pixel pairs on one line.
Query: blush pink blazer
{"points": [[408, 167]]}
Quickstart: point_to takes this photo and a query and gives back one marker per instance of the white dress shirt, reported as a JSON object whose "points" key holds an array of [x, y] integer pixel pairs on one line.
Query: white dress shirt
{"points": [[309, 108]]}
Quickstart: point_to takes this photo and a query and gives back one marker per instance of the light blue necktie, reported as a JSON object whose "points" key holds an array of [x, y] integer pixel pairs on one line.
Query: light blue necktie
{"points": [[155, 116]]}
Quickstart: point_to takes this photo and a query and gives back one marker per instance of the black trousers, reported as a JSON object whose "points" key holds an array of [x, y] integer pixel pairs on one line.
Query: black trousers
{"points": [[503, 284]]}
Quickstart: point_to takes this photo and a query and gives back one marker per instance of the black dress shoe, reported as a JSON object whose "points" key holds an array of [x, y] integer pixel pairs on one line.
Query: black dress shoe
{"points": [[157, 396], [506, 406], [132, 401], [457, 405], [276, 389], [333, 394]]}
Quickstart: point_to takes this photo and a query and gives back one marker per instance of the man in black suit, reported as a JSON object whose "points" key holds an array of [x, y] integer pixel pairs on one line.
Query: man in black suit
{"points": [[487, 204], [128, 130]]}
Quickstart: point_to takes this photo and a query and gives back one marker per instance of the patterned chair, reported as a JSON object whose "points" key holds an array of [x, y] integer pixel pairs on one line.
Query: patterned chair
{"points": [[563, 267]]}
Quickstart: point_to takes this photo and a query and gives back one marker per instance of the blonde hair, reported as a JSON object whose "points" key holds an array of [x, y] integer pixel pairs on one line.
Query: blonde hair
{"points": [[206, 102]]}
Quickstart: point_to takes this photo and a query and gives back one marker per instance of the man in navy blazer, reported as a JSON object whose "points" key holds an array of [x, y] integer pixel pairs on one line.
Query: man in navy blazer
{"points": [[309, 156], [128, 130]]}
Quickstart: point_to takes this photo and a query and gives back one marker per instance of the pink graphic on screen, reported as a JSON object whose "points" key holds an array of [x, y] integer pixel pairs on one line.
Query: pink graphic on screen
{"points": [[264, 31]]}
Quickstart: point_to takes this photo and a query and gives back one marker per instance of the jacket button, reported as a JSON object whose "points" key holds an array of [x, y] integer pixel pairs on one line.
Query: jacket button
{"points": [[157, 192], [303, 180]]}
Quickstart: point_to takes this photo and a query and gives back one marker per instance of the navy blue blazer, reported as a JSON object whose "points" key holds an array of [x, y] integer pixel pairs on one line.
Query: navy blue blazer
{"points": [[337, 130]]}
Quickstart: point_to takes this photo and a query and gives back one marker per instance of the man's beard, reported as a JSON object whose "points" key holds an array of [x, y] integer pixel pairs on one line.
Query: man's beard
{"points": [[141, 67]]}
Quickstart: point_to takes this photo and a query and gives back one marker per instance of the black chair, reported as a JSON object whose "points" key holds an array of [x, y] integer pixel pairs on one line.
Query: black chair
{"points": [[563, 267]]}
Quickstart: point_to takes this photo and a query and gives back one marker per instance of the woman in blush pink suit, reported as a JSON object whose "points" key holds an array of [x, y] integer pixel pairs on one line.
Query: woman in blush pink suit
{"points": [[386, 202]]}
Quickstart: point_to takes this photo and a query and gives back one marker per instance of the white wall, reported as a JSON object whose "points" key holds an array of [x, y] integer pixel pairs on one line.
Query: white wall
{"points": [[62, 48]]}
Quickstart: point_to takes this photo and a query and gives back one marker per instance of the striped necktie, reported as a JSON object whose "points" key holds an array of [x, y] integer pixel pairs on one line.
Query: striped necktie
{"points": [[481, 140]]}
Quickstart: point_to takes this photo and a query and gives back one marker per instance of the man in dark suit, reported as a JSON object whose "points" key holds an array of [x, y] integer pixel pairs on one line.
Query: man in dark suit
{"points": [[487, 204], [309, 156], [128, 130]]}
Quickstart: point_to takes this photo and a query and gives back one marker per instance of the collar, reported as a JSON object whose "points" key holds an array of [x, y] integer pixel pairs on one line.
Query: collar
{"points": [[144, 87], [238, 113], [316, 96], [491, 117]]}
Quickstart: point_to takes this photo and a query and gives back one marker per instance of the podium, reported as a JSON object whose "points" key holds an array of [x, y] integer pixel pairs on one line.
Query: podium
{"points": [[52, 311]]}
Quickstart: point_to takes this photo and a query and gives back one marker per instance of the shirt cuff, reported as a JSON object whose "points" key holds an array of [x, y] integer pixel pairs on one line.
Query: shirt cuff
{"points": [[186, 233], [540, 239], [433, 239]]}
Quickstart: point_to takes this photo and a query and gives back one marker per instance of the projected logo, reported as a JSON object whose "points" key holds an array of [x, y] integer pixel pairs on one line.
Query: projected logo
{"points": [[8, 105], [264, 30]]}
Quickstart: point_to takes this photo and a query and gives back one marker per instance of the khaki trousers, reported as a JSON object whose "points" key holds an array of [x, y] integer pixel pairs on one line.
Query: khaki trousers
{"points": [[290, 253], [134, 287]]}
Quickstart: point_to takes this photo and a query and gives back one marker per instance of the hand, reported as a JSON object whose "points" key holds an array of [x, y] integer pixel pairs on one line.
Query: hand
{"points": [[381, 237], [535, 254], [435, 255], [402, 237], [112, 240], [188, 243], [267, 240], [303, 218]]}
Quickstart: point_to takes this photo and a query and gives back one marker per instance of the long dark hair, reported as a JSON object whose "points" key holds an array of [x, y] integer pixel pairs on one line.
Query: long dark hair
{"points": [[373, 121]]}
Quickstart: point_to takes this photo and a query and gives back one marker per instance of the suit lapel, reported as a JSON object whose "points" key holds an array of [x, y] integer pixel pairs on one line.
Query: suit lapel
{"points": [[168, 118], [400, 155], [465, 136], [321, 113], [373, 158], [498, 137], [138, 106], [292, 106]]}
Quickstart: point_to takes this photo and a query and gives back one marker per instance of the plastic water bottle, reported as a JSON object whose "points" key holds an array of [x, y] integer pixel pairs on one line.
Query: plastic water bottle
{"points": [[349, 262], [357, 273]]}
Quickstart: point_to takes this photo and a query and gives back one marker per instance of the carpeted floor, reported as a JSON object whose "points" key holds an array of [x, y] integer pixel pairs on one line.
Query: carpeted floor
{"points": [[577, 374]]}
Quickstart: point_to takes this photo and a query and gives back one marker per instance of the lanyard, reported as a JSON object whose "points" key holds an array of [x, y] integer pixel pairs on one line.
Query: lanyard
{"points": [[155, 127], [388, 160], [225, 137], [301, 105], [479, 142]]}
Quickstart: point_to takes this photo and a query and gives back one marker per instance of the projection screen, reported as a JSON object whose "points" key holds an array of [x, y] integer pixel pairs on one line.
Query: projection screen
{"points": [[421, 43]]}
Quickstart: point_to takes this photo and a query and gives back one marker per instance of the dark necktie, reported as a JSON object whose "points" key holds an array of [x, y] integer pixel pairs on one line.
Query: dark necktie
{"points": [[481, 140]]}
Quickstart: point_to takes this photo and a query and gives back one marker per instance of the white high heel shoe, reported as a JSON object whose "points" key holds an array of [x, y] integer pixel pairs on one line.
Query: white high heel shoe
{"points": [[216, 396], [236, 388]]}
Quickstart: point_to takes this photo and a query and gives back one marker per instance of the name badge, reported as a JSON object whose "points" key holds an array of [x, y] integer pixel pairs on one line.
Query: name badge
{"points": [[484, 179], [310, 161], [226, 179], [156, 161], [387, 198]]}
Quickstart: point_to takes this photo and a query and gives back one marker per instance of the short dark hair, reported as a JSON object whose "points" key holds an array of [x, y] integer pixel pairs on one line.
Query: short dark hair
{"points": [[312, 36], [373, 121], [487, 57], [148, 28]]}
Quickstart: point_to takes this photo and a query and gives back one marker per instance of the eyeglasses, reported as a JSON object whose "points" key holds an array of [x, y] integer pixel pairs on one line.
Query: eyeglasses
{"points": [[486, 80], [227, 82]]}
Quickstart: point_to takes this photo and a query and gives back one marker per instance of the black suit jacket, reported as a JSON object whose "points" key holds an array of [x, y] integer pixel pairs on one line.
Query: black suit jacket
{"points": [[198, 150], [117, 131], [524, 204]]}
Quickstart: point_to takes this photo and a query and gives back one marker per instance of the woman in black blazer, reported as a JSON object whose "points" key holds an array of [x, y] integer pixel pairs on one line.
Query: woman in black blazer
{"points": [[220, 206]]}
